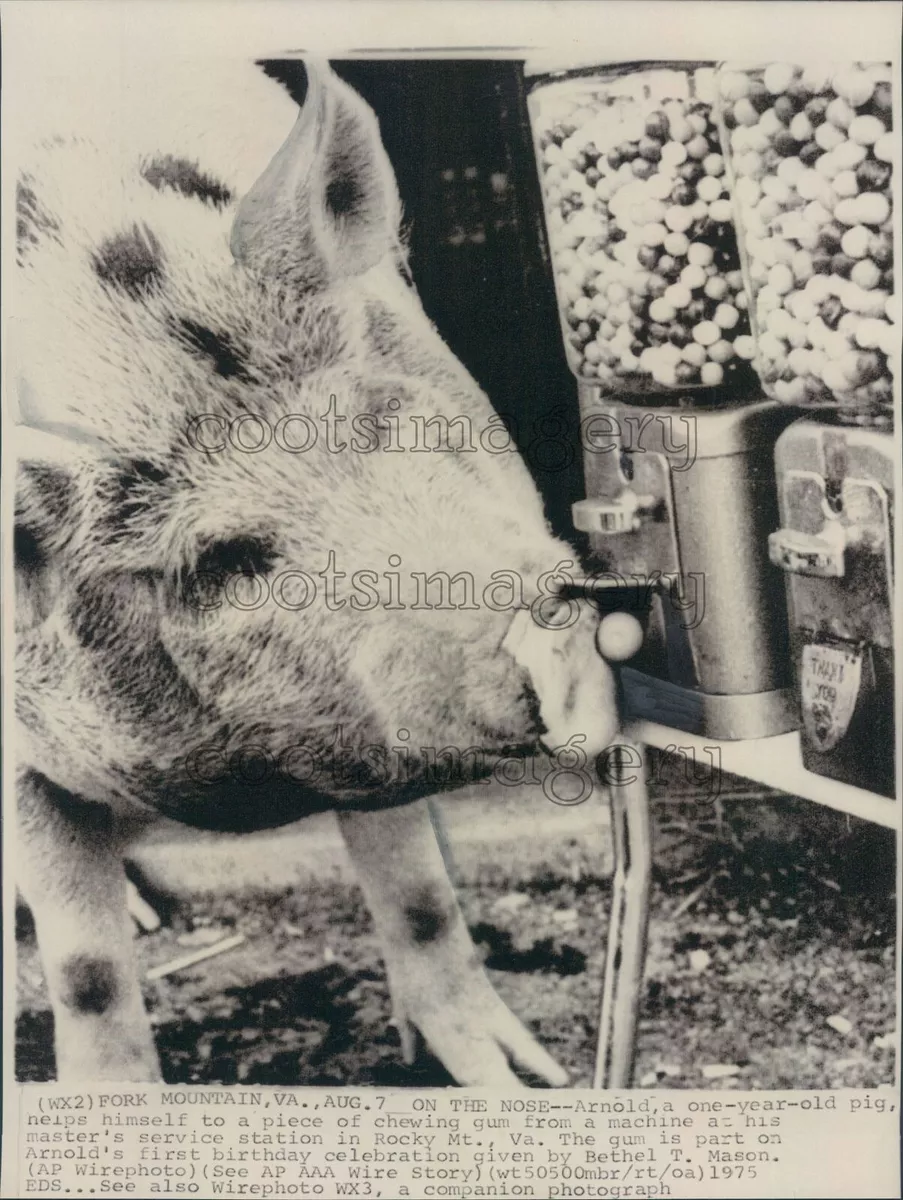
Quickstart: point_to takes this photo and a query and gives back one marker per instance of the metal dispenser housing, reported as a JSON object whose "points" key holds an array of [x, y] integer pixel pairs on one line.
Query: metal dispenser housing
{"points": [[716, 657], [835, 545]]}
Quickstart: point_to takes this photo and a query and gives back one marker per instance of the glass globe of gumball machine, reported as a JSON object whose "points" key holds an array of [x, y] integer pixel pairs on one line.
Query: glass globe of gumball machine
{"points": [[810, 151], [677, 434]]}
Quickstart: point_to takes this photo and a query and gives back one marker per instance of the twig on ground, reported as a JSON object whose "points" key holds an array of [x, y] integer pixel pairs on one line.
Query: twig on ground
{"points": [[196, 956]]}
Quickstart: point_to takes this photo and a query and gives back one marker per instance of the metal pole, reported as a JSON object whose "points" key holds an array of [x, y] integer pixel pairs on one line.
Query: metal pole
{"points": [[626, 950]]}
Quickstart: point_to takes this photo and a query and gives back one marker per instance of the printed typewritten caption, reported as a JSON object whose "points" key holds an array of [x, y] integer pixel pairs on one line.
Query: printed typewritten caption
{"points": [[311, 1142]]}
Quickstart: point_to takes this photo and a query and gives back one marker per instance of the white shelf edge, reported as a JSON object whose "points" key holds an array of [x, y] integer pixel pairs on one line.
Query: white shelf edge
{"points": [[775, 762]]}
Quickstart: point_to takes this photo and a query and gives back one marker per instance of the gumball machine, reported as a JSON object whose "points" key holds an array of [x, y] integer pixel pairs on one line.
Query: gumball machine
{"points": [[810, 155], [677, 434]]}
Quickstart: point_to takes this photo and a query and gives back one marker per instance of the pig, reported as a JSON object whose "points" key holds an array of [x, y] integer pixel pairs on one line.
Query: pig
{"points": [[197, 254]]}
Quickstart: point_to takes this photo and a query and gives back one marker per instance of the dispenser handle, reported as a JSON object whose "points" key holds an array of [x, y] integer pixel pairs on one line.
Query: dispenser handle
{"points": [[806, 554], [612, 516]]}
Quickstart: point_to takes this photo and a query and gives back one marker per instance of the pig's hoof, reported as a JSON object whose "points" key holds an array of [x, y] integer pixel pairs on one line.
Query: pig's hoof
{"points": [[476, 1037]]}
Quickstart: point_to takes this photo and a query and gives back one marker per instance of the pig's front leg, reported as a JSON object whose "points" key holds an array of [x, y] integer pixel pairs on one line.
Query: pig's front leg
{"points": [[435, 977], [69, 867]]}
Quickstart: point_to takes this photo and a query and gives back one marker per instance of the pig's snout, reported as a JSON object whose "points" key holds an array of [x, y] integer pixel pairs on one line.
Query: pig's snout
{"points": [[575, 687]]}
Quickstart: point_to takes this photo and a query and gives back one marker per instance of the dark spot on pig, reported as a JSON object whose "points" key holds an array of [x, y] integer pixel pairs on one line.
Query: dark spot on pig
{"points": [[427, 919], [571, 698], [237, 556], [131, 492], [50, 489], [187, 179], [343, 194], [131, 261], [32, 221], [27, 549], [225, 357], [89, 984]]}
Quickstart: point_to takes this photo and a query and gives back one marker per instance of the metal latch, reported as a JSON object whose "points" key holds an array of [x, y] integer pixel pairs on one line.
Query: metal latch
{"points": [[621, 515], [806, 554]]}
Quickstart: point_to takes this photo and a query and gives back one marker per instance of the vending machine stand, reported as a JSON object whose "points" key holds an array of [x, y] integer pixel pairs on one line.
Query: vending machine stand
{"points": [[775, 762]]}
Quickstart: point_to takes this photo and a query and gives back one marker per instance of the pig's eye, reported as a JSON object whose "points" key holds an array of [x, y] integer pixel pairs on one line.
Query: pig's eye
{"points": [[238, 556]]}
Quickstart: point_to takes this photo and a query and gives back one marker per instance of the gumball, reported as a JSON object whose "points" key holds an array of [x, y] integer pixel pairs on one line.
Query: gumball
{"points": [[759, 96], [693, 277], [721, 351], [699, 254], [855, 242], [872, 208], [810, 153], [678, 335], [657, 125], [706, 333], [744, 113], [673, 154], [677, 244], [845, 184], [745, 347], [678, 295], [726, 316], [849, 155], [662, 310], [866, 130], [712, 374], [779, 76], [698, 121], [656, 286], [619, 636], [865, 274], [801, 128], [654, 234], [828, 136], [734, 85], [678, 219], [854, 85], [698, 146], [839, 113], [716, 288], [885, 148], [694, 354], [798, 361], [817, 107], [709, 188], [679, 127], [784, 109], [780, 277], [665, 374], [847, 212], [650, 149]]}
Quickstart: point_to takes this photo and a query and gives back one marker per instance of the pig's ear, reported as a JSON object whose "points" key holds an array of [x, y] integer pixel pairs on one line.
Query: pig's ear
{"points": [[326, 208]]}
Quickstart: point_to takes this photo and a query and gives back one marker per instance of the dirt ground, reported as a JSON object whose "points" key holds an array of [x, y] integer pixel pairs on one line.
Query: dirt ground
{"points": [[771, 965]]}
